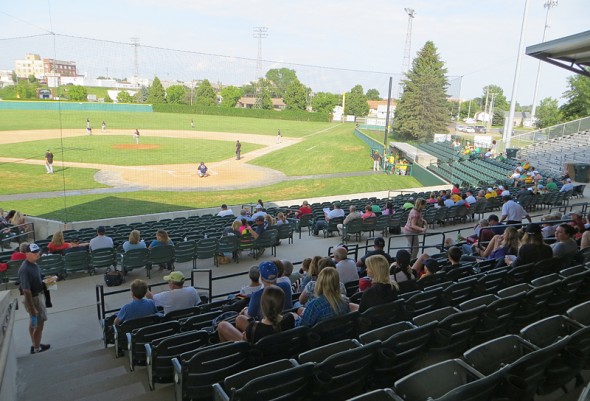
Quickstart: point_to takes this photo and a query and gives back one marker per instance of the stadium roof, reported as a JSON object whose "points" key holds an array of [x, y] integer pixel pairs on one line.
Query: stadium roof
{"points": [[571, 52]]}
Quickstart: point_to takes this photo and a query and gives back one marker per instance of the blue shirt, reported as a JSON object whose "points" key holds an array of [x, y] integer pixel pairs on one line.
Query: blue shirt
{"points": [[254, 305], [156, 243], [136, 309], [319, 310]]}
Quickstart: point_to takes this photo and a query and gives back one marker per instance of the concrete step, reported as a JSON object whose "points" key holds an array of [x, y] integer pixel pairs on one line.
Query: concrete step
{"points": [[84, 372]]}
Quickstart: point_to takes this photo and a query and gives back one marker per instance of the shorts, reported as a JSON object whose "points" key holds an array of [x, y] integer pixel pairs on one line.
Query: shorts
{"points": [[39, 305]]}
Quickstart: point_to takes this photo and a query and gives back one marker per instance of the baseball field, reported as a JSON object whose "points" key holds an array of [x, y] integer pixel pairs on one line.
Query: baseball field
{"points": [[107, 174]]}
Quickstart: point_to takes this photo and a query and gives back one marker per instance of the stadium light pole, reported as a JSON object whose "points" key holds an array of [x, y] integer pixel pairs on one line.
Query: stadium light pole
{"points": [[509, 123], [548, 5]]}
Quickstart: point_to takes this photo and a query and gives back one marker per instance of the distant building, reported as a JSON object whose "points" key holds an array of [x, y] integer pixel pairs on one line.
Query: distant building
{"points": [[6, 78], [41, 68], [249, 102]]}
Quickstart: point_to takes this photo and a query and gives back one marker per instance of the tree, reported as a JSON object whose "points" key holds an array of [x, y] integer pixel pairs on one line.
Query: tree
{"points": [[578, 98], [107, 99], [324, 102], [124, 97], [230, 96], [280, 79], [548, 113], [500, 101], [422, 110], [141, 96], [156, 95], [296, 96], [25, 89], [356, 102], [176, 94], [77, 93], [373, 94], [498, 117], [205, 94]]}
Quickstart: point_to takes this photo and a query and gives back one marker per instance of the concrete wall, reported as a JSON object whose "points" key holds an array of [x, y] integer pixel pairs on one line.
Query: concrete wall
{"points": [[8, 366]]}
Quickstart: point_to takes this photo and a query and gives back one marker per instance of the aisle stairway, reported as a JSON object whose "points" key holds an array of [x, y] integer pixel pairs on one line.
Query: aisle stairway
{"points": [[84, 372]]}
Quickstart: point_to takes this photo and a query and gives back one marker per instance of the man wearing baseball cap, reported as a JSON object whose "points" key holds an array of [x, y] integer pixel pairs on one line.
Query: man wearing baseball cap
{"points": [[178, 297], [31, 284], [378, 245], [268, 275]]}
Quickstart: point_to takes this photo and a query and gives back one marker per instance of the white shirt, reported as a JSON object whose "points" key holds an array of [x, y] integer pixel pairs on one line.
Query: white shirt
{"points": [[180, 298], [100, 241], [347, 271], [513, 211], [335, 213], [227, 212], [567, 187], [470, 199]]}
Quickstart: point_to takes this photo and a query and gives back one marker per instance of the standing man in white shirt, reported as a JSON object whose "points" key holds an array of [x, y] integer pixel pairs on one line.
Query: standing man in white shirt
{"points": [[512, 212]]}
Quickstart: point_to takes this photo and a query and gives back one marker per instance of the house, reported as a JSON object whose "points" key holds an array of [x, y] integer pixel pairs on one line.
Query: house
{"points": [[249, 102], [521, 118]]}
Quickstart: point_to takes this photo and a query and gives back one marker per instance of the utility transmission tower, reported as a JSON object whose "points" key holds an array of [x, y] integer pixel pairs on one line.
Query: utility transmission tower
{"points": [[259, 32], [135, 43], [548, 5], [407, 49]]}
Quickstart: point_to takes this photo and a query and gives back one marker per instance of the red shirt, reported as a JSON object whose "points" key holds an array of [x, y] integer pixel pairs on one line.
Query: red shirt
{"points": [[18, 256], [53, 249], [305, 210]]}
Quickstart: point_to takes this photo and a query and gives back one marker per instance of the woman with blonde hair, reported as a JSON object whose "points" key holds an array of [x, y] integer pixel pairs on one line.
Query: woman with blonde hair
{"points": [[308, 293], [502, 245], [58, 244], [328, 303], [281, 219], [162, 239], [134, 242], [415, 225], [382, 289]]}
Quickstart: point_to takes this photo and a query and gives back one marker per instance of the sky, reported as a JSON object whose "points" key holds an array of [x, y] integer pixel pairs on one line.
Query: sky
{"points": [[332, 45]]}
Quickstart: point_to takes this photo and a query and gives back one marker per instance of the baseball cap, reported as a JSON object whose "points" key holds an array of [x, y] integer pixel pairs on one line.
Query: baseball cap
{"points": [[490, 189], [176, 276], [501, 187], [493, 217], [411, 198], [432, 265], [380, 242], [568, 180], [33, 248], [533, 228], [535, 172], [268, 271], [259, 218], [540, 186], [258, 207], [101, 230]]}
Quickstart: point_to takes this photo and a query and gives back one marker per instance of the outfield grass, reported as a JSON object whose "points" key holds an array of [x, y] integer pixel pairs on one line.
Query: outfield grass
{"points": [[103, 149], [26, 178], [92, 207], [336, 150], [43, 119]]}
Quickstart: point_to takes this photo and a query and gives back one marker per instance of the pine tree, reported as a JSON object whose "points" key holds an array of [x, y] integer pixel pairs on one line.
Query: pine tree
{"points": [[422, 109], [206, 95], [157, 94]]}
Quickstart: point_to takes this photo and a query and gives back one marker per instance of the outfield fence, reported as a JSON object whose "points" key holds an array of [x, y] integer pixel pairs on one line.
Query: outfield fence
{"points": [[74, 106]]}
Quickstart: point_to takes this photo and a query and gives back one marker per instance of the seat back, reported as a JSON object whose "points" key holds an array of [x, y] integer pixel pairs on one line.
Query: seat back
{"points": [[52, 265], [383, 333], [424, 301], [283, 345], [580, 313], [183, 313], [382, 315], [228, 244], [286, 232], [77, 261], [137, 339], [128, 326], [161, 254], [493, 355], [206, 248], [134, 259], [104, 257], [185, 251], [336, 328]]}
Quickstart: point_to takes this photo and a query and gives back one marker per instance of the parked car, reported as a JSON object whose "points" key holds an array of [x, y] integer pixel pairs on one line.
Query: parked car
{"points": [[470, 130], [460, 128], [480, 129]]}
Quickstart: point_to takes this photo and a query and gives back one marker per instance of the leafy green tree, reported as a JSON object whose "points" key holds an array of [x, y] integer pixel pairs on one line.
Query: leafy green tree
{"points": [[176, 94], [548, 113], [471, 110], [25, 89], [107, 99], [325, 102], [280, 79], [230, 96], [205, 94], [157, 94], [578, 98], [356, 102], [124, 97], [77, 93], [32, 79], [296, 96], [498, 117], [141, 96], [249, 89], [422, 109], [500, 101], [14, 77], [373, 94]]}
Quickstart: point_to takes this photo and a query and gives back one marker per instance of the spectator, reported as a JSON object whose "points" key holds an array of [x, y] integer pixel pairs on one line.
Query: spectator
{"points": [[454, 257], [352, 215], [178, 297], [304, 209], [139, 306], [375, 208], [512, 212], [551, 185], [281, 219], [470, 198], [134, 241], [494, 224], [259, 212], [21, 252], [309, 292], [368, 213], [328, 303], [101, 240], [312, 271], [273, 321], [400, 269], [502, 245], [162, 239], [388, 211], [585, 241], [76, 246], [233, 230], [259, 227], [293, 277], [430, 266], [567, 186], [382, 290], [532, 248], [548, 229], [566, 247], [415, 225], [254, 276], [244, 215], [58, 245], [225, 211], [345, 266], [337, 212], [409, 204], [378, 249]]}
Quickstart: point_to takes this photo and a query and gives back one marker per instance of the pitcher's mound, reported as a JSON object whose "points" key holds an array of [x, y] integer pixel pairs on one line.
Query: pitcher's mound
{"points": [[135, 147]]}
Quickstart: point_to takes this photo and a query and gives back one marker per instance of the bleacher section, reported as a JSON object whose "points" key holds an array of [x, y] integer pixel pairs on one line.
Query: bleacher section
{"points": [[552, 154]]}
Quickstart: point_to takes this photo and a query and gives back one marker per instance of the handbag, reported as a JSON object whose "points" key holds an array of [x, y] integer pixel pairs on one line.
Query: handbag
{"points": [[113, 278]]}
